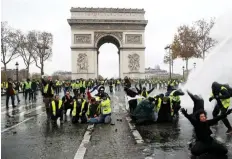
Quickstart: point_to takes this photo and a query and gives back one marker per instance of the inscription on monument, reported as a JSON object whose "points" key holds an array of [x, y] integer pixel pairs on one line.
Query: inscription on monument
{"points": [[133, 62], [82, 62], [133, 38], [109, 27], [82, 38]]}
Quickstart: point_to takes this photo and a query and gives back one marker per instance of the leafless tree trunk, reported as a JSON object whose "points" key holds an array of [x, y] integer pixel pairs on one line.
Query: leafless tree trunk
{"points": [[43, 49], [26, 44], [205, 42], [8, 47]]}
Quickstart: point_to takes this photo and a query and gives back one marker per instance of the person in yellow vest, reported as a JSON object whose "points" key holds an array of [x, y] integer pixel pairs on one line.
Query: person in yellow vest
{"points": [[93, 111], [158, 103], [57, 109], [80, 108], [27, 88], [143, 92], [10, 93], [47, 93], [221, 94], [57, 83], [82, 86], [175, 101], [104, 106], [68, 102]]}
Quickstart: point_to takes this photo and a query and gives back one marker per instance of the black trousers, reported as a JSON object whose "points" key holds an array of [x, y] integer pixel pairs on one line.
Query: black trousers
{"points": [[223, 110], [12, 100], [76, 118], [59, 114], [214, 147], [132, 105], [28, 93], [66, 107]]}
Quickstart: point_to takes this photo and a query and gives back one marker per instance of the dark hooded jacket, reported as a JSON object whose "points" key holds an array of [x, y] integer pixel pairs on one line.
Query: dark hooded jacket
{"points": [[198, 102], [202, 129], [221, 93]]}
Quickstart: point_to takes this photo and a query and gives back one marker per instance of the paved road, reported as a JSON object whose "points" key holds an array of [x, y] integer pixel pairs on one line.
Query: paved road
{"points": [[27, 134]]}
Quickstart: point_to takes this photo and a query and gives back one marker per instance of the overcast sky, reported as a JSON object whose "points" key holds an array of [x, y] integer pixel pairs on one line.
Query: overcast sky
{"points": [[164, 16]]}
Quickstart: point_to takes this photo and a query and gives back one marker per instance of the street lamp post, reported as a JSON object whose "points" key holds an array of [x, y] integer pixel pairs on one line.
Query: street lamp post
{"points": [[170, 61], [17, 73], [183, 72]]}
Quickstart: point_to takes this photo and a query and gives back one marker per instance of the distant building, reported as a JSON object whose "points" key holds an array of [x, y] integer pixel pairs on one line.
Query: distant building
{"points": [[158, 73]]}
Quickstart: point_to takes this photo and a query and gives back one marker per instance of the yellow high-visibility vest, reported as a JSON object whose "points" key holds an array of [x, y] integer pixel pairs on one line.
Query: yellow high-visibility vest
{"points": [[54, 107]]}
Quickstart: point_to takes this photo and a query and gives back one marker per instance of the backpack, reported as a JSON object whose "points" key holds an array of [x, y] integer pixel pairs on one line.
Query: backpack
{"points": [[228, 88]]}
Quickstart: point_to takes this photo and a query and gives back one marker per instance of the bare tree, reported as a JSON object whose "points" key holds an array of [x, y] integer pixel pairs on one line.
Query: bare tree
{"points": [[185, 44], [8, 47], [43, 49], [26, 45], [205, 42]]}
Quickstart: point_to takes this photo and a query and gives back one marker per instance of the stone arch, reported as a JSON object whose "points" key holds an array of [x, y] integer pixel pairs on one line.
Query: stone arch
{"points": [[92, 27], [114, 38], [107, 38]]}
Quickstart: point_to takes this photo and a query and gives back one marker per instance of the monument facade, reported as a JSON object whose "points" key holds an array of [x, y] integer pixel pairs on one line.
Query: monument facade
{"points": [[92, 27]]}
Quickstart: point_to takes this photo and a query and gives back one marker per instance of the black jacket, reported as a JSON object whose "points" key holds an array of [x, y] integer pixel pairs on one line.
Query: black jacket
{"points": [[50, 87], [198, 102], [202, 129]]}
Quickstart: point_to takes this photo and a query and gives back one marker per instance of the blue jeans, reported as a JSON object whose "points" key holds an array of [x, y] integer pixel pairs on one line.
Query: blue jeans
{"points": [[106, 118]]}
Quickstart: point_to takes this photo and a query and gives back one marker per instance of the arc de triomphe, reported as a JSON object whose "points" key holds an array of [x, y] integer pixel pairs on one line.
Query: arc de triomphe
{"points": [[92, 27]]}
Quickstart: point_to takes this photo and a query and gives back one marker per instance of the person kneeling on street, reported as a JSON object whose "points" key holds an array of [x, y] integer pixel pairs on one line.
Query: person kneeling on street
{"points": [[68, 102], [144, 112], [57, 109], [80, 107], [93, 111], [204, 142], [104, 106]]}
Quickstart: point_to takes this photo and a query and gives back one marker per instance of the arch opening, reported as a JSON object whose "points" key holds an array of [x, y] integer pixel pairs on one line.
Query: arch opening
{"points": [[108, 57]]}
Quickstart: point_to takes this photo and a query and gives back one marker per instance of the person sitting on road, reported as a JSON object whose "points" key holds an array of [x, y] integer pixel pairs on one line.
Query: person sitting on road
{"points": [[93, 111], [57, 109], [204, 142], [80, 107], [104, 106], [68, 102]]}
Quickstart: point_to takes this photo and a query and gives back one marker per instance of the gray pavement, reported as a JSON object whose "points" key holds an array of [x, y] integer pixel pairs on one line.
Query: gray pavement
{"points": [[27, 134]]}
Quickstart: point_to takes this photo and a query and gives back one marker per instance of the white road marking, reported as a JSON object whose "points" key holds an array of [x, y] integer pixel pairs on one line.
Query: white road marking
{"points": [[82, 149], [19, 106], [18, 124], [136, 134], [27, 112]]}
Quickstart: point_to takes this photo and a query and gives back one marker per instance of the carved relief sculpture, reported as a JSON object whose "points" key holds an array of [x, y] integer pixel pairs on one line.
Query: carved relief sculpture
{"points": [[82, 38], [82, 62], [99, 34], [133, 62], [133, 38]]}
